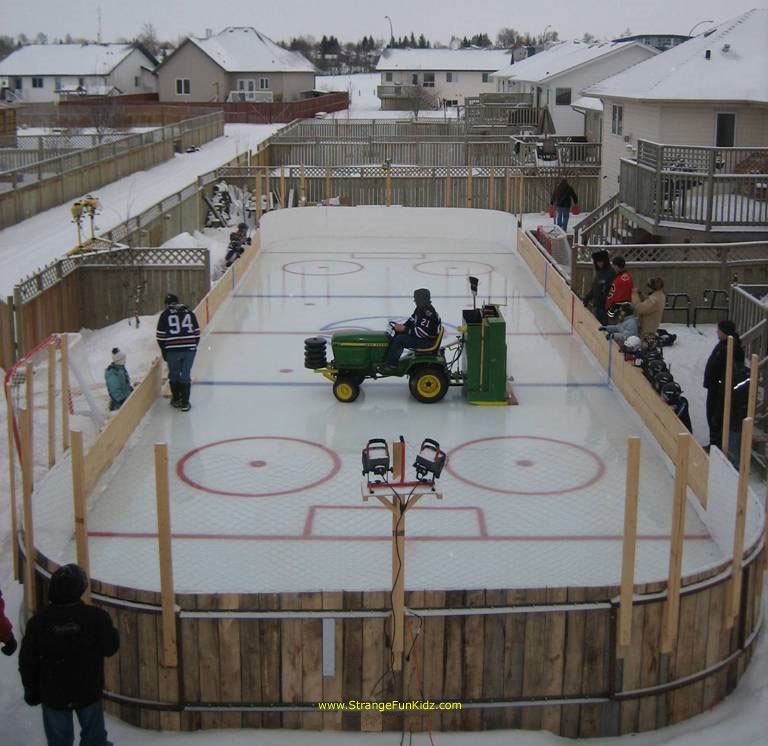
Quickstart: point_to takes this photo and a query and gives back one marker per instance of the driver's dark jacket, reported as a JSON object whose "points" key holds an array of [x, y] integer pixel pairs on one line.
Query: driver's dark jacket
{"points": [[424, 323]]}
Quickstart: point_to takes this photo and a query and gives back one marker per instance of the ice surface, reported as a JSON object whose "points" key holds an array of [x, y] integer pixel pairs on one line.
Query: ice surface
{"points": [[266, 465]]}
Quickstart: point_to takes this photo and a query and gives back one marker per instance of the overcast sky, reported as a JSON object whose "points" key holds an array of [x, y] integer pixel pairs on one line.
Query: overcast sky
{"points": [[351, 19]]}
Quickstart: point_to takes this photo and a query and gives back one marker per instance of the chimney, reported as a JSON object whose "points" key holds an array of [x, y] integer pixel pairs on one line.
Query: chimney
{"points": [[208, 33], [707, 54]]}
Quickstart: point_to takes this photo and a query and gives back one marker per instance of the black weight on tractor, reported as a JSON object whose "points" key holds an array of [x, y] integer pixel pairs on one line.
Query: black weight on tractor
{"points": [[314, 353]]}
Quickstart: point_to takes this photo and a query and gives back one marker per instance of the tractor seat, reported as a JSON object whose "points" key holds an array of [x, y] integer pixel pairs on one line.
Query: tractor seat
{"points": [[433, 347]]}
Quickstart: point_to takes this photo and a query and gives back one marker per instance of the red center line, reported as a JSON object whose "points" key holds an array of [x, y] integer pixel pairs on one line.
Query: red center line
{"points": [[329, 332], [346, 537]]}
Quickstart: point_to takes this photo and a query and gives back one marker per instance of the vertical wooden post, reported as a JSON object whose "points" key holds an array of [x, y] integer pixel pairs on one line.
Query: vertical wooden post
{"points": [[327, 186], [398, 583], [728, 391], [302, 187], [448, 188], [492, 189], [12, 483], [754, 372], [520, 201], [257, 196], [398, 461], [469, 186], [30, 594], [166, 555], [630, 541], [507, 190], [734, 595], [29, 402], [672, 606], [282, 186], [81, 513], [51, 404], [388, 187], [65, 391]]}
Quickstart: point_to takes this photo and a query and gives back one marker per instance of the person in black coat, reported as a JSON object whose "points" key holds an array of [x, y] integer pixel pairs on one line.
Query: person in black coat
{"points": [[418, 332], [714, 378], [601, 286], [562, 199], [62, 660]]}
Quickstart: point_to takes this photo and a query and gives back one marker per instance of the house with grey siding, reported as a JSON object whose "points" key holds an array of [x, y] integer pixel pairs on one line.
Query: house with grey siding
{"points": [[710, 91], [45, 72], [237, 64]]}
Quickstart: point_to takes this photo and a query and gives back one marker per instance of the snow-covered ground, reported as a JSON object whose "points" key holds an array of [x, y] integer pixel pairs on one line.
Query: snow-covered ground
{"points": [[739, 721], [33, 243], [363, 101]]}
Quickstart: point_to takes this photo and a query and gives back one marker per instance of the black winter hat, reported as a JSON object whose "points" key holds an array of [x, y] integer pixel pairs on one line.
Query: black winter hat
{"points": [[171, 298], [67, 584], [422, 297]]}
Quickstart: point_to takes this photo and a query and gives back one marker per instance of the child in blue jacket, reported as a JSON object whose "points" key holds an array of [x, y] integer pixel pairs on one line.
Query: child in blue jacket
{"points": [[118, 380]]}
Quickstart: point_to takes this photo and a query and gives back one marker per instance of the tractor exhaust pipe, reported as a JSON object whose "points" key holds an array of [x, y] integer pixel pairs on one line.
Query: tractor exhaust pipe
{"points": [[473, 288]]}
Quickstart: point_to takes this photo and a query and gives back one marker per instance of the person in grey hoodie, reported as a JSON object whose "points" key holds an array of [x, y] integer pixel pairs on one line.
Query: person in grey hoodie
{"points": [[118, 380], [627, 326]]}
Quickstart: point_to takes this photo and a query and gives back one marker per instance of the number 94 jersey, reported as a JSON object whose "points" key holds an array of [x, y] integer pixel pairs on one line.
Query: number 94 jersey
{"points": [[177, 328]]}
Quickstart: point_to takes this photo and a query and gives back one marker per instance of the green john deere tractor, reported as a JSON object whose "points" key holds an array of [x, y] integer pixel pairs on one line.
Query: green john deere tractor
{"points": [[476, 360]]}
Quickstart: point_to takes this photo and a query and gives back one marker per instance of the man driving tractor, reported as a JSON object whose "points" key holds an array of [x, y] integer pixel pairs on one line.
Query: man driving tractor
{"points": [[418, 332]]}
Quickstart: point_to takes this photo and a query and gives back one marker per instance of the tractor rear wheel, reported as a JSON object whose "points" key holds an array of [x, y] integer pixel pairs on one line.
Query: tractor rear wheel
{"points": [[428, 384], [346, 389]]}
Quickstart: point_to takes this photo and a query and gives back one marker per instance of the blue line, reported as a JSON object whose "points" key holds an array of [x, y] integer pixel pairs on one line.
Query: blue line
{"points": [[366, 296]]}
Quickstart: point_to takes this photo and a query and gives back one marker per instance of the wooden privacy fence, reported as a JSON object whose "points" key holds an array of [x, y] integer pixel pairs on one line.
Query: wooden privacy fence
{"points": [[685, 268], [485, 188], [57, 180], [94, 290]]}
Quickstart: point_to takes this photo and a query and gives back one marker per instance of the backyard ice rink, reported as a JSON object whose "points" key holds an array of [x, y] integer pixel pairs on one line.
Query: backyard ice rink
{"points": [[265, 469]]}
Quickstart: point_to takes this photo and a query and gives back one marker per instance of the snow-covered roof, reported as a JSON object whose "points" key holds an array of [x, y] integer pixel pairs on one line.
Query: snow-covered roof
{"points": [[482, 60], [737, 69], [587, 103], [65, 59], [244, 49], [561, 58]]}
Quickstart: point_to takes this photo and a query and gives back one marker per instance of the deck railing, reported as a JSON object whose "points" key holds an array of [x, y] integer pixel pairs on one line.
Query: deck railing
{"points": [[706, 187]]}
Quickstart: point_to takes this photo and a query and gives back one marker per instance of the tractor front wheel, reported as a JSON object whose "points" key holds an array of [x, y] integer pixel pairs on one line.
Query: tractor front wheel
{"points": [[428, 384], [346, 389]]}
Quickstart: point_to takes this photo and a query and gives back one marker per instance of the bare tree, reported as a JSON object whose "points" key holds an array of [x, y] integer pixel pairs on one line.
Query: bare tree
{"points": [[508, 38], [418, 98]]}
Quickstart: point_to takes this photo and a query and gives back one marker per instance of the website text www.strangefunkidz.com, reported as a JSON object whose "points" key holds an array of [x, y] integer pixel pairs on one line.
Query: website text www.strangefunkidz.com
{"points": [[356, 705]]}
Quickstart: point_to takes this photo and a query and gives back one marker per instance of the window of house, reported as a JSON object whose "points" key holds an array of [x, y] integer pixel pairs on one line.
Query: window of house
{"points": [[246, 84], [451, 77], [57, 84], [135, 81], [485, 77], [37, 82], [387, 77], [17, 84], [451, 101], [429, 80], [414, 78], [264, 84], [81, 82], [725, 132], [183, 87], [563, 96], [617, 120]]}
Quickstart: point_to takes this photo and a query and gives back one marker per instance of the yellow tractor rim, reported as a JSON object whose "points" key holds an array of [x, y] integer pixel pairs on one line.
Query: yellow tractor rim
{"points": [[344, 391], [428, 385]]}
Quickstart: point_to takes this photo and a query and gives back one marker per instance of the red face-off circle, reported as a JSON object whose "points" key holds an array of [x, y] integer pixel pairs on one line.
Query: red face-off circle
{"points": [[325, 268], [258, 466], [525, 465]]}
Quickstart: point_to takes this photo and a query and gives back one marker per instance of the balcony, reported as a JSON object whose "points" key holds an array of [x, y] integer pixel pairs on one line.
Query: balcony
{"points": [[699, 188]]}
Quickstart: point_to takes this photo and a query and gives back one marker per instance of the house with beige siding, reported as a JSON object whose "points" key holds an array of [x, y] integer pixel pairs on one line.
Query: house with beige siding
{"points": [[710, 91], [557, 76], [450, 75], [237, 64], [685, 135], [45, 72]]}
